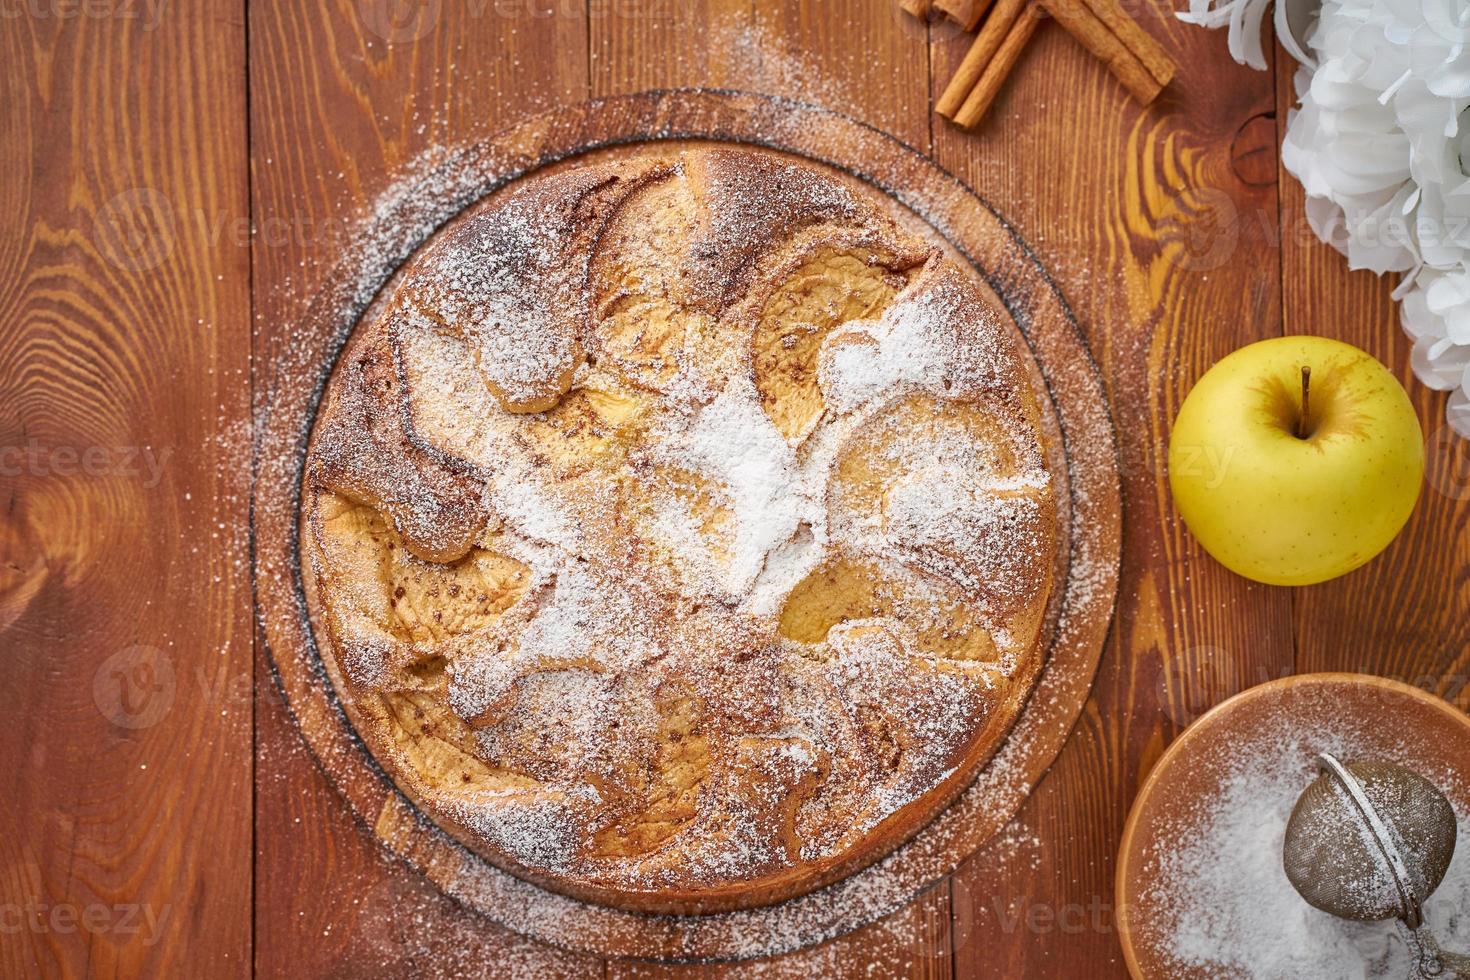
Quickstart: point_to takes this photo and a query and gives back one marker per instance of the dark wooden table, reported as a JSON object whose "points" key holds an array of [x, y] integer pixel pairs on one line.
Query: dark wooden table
{"points": [[161, 817]]}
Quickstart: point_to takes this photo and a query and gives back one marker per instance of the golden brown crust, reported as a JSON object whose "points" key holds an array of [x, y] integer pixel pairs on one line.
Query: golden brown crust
{"points": [[364, 451], [680, 531]]}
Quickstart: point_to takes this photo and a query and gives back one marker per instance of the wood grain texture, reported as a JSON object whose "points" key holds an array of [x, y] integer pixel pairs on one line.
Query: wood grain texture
{"points": [[1406, 614], [865, 58], [346, 98], [124, 591], [126, 287], [1152, 226]]}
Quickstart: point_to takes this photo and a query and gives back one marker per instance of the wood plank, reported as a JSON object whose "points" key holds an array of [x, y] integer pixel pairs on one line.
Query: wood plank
{"points": [[867, 59], [1406, 614], [345, 100], [125, 841], [1158, 224], [648, 45], [1039, 888]]}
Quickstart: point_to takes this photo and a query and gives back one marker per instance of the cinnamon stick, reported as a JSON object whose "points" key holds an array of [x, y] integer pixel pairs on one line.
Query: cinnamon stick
{"points": [[999, 67], [1079, 20], [966, 13], [918, 8], [978, 58], [1137, 40]]}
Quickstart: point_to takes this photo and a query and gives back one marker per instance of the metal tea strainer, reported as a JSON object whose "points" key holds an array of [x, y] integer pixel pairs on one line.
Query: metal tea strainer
{"points": [[1372, 841]]}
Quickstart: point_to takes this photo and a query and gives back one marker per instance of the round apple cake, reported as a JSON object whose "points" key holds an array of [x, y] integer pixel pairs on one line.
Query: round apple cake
{"points": [[678, 532]]}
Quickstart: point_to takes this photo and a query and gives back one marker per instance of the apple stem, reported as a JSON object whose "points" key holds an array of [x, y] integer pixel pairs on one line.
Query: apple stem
{"points": [[1303, 426]]}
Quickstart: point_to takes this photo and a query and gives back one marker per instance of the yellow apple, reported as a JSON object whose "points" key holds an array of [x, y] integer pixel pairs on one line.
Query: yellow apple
{"points": [[1296, 459]]}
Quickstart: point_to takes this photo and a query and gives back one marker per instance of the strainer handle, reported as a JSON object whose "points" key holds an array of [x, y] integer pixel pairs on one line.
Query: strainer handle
{"points": [[1431, 962], [1409, 908]]}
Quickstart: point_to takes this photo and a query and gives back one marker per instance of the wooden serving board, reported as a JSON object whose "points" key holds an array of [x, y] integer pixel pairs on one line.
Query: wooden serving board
{"points": [[932, 201]]}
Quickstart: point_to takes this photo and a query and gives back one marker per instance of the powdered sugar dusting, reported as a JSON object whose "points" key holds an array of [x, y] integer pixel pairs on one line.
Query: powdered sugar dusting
{"points": [[733, 442], [922, 341], [1223, 904], [696, 676], [431, 191]]}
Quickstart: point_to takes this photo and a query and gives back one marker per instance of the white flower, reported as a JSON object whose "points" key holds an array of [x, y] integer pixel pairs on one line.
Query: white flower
{"points": [[1380, 144]]}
